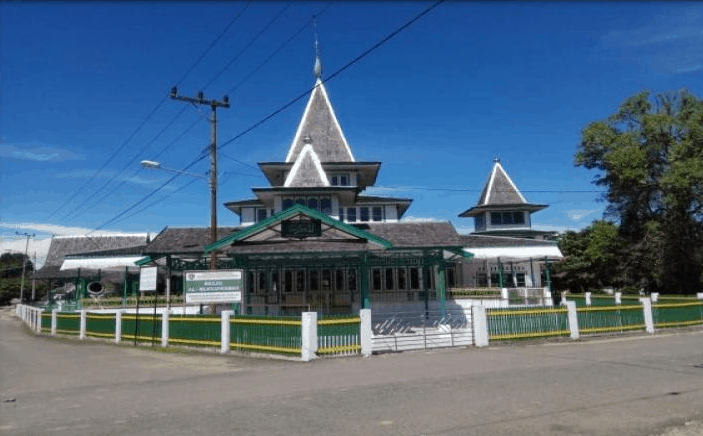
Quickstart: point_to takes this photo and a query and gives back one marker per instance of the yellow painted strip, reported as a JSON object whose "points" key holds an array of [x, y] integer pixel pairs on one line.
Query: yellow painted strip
{"points": [[265, 322], [612, 329], [142, 318], [525, 312], [176, 318], [46, 329], [678, 323], [338, 349], [289, 350], [46, 315], [674, 305], [68, 332], [339, 321], [607, 308], [111, 317], [58, 315], [530, 335], [100, 335], [193, 342], [141, 338]]}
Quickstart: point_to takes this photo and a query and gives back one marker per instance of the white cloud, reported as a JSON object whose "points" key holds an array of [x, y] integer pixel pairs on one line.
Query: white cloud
{"points": [[37, 153], [144, 181], [690, 69]]}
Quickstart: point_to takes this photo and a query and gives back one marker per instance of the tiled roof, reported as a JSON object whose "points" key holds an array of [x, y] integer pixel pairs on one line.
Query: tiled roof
{"points": [[185, 239], [416, 234], [320, 124]]}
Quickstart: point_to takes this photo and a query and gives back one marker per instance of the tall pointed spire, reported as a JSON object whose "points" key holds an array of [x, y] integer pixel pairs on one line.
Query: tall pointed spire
{"points": [[318, 63]]}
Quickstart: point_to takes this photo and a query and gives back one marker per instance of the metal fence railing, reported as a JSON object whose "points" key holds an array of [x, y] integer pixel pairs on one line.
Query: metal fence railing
{"points": [[530, 322], [677, 314], [402, 331], [603, 319], [338, 335], [279, 335]]}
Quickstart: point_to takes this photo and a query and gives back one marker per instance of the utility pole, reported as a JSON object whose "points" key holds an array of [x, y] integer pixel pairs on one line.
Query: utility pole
{"points": [[214, 104], [34, 274], [24, 264]]}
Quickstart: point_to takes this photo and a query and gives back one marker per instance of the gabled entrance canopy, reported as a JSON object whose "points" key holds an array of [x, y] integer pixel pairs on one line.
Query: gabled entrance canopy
{"points": [[297, 223]]}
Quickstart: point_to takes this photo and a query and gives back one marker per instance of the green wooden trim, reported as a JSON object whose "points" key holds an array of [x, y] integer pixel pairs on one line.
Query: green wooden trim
{"points": [[292, 211], [144, 261]]}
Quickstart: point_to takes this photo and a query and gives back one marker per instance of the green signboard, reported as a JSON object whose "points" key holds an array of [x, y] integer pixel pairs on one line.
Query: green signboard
{"points": [[221, 286]]}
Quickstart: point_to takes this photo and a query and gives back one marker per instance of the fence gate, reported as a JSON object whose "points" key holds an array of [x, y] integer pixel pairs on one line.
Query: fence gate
{"points": [[417, 330]]}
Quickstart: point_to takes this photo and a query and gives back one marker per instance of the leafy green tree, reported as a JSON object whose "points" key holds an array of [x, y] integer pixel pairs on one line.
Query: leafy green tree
{"points": [[11, 265], [649, 156], [590, 258]]}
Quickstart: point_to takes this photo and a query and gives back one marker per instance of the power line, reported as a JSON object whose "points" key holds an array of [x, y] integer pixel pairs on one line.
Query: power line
{"points": [[246, 46], [130, 162], [153, 111], [349, 64], [429, 188], [336, 73]]}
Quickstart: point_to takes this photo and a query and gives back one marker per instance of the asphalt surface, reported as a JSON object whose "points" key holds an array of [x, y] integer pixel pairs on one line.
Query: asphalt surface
{"points": [[628, 385]]}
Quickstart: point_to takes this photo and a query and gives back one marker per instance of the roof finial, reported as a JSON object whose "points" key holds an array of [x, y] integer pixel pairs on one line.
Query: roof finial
{"points": [[318, 64], [496, 159]]}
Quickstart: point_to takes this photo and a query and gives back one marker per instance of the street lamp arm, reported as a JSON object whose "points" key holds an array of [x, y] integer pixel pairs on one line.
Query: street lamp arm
{"points": [[157, 166]]}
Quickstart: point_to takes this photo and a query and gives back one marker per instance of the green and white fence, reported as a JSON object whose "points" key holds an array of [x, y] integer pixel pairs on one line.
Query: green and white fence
{"points": [[305, 336]]}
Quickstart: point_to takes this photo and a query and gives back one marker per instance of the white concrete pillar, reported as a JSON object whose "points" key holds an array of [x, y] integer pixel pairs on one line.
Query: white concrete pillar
{"points": [[309, 332], [54, 321], [40, 319], [648, 319], [618, 298], [655, 297], [365, 332], [588, 298], [699, 295], [573, 319], [118, 326], [225, 336], [164, 328], [81, 334], [504, 293], [563, 297], [480, 325]]}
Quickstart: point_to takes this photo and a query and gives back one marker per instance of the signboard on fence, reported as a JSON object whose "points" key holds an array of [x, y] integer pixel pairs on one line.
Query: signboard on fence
{"points": [[221, 286], [147, 278]]}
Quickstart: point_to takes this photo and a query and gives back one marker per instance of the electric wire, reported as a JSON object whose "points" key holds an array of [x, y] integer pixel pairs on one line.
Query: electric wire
{"points": [[151, 114], [252, 41], [336, 73]]}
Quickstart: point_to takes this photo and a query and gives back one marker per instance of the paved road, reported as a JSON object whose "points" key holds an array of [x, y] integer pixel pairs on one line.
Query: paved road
{"points": [[623, 386]]}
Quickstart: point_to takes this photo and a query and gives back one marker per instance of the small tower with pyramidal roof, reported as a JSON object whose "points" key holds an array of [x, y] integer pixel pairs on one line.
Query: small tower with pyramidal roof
{"points": [[502, 209], [320, 172]]}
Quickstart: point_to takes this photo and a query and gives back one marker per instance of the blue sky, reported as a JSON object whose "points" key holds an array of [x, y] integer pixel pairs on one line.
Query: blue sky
{"points": [[467, 82]]}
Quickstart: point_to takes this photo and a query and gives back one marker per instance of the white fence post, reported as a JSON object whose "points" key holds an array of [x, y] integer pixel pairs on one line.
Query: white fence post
{"points": [[648, 319], [54, 321], [547, 296], [655, 297], [573, 319], [618, 298], [40, 314], [365, 332], [699, 295], [225, 336], [309, 332], [164, 328], [480, 325], [504, 294], [81, 335], [588, 298], [118, 326]]}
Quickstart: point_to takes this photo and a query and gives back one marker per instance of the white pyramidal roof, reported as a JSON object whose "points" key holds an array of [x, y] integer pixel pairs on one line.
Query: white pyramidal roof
{"points": [[319, 105], [297, 178], [500, 188]]}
